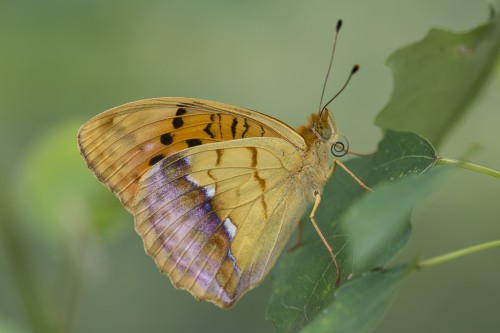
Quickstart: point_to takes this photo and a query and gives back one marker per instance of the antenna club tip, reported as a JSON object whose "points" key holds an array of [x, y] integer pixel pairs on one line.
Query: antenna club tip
{"points": [[355, 69], [339, 25]]}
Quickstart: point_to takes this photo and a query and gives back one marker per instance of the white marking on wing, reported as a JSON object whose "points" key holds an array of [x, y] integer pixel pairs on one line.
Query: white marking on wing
{"points": [[230, 228]]}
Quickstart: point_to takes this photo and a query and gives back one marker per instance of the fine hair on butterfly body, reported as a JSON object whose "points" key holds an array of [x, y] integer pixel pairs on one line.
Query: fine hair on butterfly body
{"points": [[215, 190]]}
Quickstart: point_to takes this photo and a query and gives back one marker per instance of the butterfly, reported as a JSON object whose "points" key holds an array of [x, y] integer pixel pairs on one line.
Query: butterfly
{"points": [[215, 190]]}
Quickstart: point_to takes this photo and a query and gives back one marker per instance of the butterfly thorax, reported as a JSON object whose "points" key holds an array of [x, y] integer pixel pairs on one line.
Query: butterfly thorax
{"points": [[319, 134]]}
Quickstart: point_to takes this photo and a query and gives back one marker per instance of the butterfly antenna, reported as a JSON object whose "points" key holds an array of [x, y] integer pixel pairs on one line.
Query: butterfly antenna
{"points": [[337, 29], [353, 71]]}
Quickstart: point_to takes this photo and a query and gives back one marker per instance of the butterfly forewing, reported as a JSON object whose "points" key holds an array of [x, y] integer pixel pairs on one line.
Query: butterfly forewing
{"points": [[122, 144], [215, 218]]}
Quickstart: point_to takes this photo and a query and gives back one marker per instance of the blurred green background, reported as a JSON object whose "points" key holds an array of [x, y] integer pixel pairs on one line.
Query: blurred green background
{"points": [[69, 255]]}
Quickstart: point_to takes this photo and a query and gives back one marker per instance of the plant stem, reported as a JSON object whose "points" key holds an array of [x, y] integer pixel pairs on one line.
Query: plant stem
{"points": [[457, 254], [468, 166]]}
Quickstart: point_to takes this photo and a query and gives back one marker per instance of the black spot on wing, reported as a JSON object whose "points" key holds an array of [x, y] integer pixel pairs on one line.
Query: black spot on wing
{"points": [[166, 139], [177, 122], [207, 130], [156, 159], [246, 126], [193, 142], [220, 124], [233, 127]]}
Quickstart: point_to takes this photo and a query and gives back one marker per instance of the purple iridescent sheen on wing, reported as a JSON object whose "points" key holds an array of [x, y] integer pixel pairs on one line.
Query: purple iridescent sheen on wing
{"points": [[181, 230]]}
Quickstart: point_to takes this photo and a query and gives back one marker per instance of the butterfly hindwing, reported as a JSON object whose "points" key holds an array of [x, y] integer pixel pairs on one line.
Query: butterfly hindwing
{"points": [[122, 144], [215, 218]]}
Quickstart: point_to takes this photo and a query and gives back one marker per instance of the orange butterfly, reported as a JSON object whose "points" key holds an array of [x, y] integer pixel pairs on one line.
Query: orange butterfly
{"points": [[215, 190]]}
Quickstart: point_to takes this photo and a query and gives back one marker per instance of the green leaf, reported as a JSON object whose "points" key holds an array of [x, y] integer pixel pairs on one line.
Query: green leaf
{"points": [[436, 79], [382, 218], [360, 303], [399, 154], [59, 196], [305, 279]]}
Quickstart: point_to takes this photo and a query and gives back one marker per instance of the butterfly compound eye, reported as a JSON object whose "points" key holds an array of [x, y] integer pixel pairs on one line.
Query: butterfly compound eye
{"points": [[325, 126], [324, 130]]}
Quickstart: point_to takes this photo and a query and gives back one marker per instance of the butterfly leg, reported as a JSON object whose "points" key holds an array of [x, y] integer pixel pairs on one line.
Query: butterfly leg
{"points": [[317, 200], [349, 172], [299, 238]]}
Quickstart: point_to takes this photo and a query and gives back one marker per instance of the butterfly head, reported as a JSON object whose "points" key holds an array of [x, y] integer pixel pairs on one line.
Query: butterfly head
{"points": [[320, 128], [324, 126], [326, 129]]}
